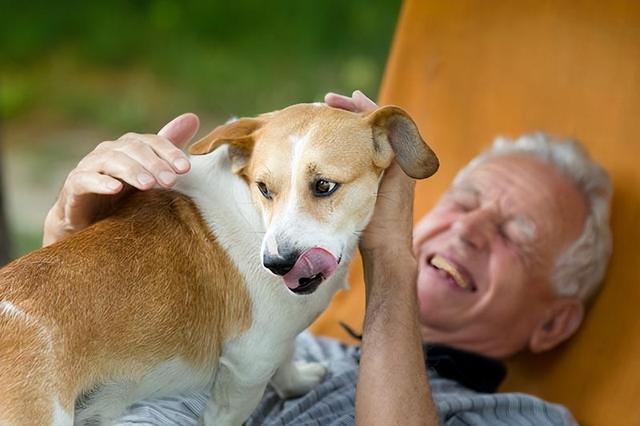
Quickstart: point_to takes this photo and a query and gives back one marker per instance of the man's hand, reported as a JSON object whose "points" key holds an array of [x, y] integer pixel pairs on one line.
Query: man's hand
{"points": [[358, 102], [390, 228], [392, 383], [115, 168]]}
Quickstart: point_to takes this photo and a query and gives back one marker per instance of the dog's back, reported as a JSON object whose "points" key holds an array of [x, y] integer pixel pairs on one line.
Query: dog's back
{"points": [[143, 287]]}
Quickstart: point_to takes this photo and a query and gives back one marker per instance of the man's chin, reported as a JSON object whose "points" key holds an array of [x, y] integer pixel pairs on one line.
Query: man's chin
{"points": [[439, 311], [433, 294], [433, 317]]}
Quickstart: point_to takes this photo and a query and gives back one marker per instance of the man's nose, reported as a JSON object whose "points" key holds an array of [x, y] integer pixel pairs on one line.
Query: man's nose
{"points": [[475, 228], [279, 265]]}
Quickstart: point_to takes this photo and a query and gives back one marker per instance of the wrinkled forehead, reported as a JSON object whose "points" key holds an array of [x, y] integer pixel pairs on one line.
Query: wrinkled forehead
{"points": [[527, 185], [313, 134]]}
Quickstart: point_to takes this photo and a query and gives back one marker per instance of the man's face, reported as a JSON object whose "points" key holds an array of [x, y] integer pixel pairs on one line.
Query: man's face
{"points": [[487, 251]]}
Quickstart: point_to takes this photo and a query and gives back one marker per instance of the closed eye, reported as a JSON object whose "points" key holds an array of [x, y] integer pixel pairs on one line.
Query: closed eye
{"points": [[519, 230], [464, 199]]}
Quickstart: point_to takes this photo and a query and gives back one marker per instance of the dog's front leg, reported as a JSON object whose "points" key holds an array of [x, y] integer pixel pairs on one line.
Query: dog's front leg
{"points": [[232, 399], [295, 378]]}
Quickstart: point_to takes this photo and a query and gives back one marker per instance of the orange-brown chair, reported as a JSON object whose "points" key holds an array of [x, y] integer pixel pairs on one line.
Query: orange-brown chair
{"points": [[470, 70]]}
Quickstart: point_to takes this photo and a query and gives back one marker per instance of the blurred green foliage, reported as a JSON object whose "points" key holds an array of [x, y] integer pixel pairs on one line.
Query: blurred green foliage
{"points": [[73, 73], [125, 64]]}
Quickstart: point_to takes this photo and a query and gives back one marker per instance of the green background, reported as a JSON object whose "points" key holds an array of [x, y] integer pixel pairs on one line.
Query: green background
{"points": [[76, 73]]}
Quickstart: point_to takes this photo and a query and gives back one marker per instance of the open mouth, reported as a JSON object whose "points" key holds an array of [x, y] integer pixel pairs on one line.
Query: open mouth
{"points": [[453, 272], [310, 270]]}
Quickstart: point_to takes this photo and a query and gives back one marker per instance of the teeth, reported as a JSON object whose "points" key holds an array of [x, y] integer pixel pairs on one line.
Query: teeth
{"points": [[444, 265]]}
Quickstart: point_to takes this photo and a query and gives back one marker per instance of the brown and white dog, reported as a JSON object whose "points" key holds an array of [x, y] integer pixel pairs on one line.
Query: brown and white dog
{"points": [[207, 286]]}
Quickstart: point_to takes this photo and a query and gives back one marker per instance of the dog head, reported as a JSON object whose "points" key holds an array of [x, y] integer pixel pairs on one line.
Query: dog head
{"points": [[314, 173]]}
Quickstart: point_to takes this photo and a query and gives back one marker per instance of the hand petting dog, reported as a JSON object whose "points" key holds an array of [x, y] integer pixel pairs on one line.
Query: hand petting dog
{"points": [[113, 169]]}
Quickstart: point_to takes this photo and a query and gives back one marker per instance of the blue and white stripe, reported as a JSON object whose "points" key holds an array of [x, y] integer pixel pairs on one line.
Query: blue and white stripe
{"points": [[332, 401]]}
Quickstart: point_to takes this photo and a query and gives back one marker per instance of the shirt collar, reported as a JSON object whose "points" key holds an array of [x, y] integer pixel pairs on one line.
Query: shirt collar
{"points": [[471, 370]]}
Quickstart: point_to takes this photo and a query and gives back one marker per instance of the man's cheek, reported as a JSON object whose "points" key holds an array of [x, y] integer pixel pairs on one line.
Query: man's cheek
{"points": [[430, 226]]}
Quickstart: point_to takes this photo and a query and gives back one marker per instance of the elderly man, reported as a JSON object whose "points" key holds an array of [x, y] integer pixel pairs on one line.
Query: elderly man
{"points": [[503, 263]]}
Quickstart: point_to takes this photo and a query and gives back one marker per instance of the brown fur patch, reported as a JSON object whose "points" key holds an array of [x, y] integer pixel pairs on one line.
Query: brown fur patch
{"points": [[145, 285]]}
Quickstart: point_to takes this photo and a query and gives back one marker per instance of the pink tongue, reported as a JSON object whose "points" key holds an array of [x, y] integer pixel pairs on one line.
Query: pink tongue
{"points": [[312, 262]]}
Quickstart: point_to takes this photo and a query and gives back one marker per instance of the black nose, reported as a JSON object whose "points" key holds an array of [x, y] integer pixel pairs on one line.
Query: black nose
{"points": [[279, 265]]}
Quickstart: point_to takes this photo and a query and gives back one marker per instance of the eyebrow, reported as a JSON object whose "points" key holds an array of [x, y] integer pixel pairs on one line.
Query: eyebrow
{"points": [[528, 226], [466, 187], [264, 174], [312, 169]]}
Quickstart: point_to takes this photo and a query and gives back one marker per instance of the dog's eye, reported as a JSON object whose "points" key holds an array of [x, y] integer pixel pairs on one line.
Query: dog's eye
{"points": [[264, 190], [322, 188]]}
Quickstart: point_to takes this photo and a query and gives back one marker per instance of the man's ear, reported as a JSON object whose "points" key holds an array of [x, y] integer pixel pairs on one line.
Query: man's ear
{"points": [[238, 134], [394, 132], [561, 322]]}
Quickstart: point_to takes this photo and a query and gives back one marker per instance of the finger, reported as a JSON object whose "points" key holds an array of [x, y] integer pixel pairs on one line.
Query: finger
{"points": [[340, 101], [166, 150], [78, 210], [80, 183], [181, 129], [149, 152], [362, 102], [158, 149], [118, 165]]}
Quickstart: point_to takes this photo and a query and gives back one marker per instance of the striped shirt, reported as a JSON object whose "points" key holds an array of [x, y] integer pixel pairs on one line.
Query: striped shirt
{"points": [[332, 401]]}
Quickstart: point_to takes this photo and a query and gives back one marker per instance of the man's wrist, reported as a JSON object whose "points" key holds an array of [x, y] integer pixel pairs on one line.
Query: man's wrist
{"points": [[392, 261], [390, 254], [390, 275]]}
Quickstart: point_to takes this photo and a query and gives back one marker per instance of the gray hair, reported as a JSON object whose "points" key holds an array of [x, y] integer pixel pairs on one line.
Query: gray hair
{"points": [[580, 269]]}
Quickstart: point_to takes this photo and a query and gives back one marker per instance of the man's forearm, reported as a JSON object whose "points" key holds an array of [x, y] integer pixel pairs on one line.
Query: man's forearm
{"points": [[392, 382]]}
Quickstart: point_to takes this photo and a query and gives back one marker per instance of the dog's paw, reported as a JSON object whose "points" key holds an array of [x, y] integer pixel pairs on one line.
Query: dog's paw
{"points": [[298, 378]]}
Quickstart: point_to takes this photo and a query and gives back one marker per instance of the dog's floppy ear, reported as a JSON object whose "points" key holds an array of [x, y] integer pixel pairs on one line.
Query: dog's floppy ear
{"points": [[238, 134], [394, 132]]}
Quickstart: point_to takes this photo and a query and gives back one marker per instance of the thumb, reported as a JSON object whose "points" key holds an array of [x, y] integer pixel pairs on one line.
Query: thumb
{"points": [[362, 102], [181, 129]]}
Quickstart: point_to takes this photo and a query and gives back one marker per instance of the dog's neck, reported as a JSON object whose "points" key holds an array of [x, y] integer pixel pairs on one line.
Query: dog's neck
{"points": [[226, 205]]}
